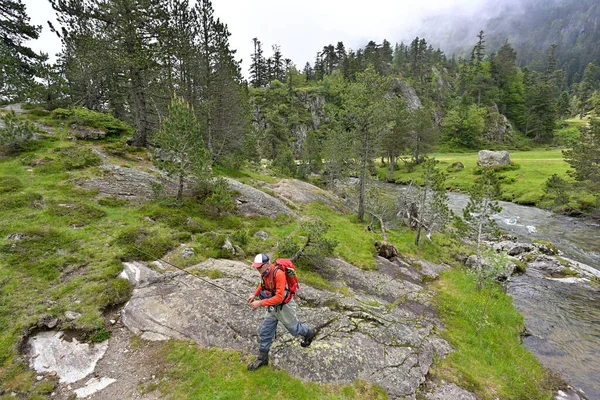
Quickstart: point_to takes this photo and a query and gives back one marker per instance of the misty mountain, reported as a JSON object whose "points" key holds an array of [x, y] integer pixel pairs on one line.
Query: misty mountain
{"points": [[530, 26]]}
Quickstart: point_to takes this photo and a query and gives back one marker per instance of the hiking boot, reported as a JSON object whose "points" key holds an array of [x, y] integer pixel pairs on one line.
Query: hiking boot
{"points": [[263, 359], [308, 338]]}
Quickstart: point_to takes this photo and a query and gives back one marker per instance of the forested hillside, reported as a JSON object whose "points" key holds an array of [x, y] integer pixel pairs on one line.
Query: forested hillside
{"points": [[531, 26], [335, 114]]}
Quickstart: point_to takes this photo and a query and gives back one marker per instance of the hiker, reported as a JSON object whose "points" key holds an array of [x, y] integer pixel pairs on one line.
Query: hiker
{"points": [[273, 294]]}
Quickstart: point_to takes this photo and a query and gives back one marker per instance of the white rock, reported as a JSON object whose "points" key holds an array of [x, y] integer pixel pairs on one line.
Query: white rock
{"points": [[72, 361], [92, 386]]}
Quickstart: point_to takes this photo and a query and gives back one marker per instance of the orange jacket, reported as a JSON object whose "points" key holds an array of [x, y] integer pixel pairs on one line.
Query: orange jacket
{"points": [[279, 281]]}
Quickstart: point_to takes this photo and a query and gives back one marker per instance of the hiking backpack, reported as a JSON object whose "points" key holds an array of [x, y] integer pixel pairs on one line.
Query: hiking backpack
{"points": [[289, 268]]}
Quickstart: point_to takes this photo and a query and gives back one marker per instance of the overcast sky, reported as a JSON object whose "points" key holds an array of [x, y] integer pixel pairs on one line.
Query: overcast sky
{"points": [[302, 27]]}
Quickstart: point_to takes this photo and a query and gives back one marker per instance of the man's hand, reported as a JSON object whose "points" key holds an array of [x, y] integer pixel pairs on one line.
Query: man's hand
{"points": [[250, 298], [255, 304]]}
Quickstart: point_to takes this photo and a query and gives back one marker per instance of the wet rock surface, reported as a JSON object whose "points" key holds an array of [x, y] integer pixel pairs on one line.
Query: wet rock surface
{"points": [[376, 333]]}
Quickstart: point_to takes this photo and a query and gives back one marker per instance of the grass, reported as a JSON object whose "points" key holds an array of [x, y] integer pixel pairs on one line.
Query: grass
{"points": [[62, 247], [355, 244], [490, 362], [196, 373], [523, 185]]}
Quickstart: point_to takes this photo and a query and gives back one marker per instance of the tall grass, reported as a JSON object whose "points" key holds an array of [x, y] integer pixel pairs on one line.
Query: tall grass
{"points": [[489, 358]]}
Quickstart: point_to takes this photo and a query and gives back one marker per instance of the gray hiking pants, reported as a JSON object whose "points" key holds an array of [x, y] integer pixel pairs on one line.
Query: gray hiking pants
{"points": [[287, 315]]}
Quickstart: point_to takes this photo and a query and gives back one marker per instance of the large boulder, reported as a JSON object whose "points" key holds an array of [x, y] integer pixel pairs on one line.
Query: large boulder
{"points": [[294, 191], [384, 331], [251, 201], [489, 158]]}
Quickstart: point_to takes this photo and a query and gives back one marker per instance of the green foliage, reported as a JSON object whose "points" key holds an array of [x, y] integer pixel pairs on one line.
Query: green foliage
{"points": [[285, 163], [112, 201], [143, 244], [463, 127], [16, 134], [61, 113], [584, 158], [316, 246], [75, 157], [74, 213], [489, 361], [20, 200], [106, 122], [215, 195], [9, 184], [99, 335], [181, 142], [556, 190], [477, 221], [193, 372]]}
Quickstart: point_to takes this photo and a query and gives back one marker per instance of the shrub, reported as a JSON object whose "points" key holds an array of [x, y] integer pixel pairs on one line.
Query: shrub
{"points": [[61, 113], [284, 163], [106, 122], [16, 135], [9, 184], [141, 244], [112, 201], [240, 236], [20, 200], [78, 157], [75, 213], [215, 195]]}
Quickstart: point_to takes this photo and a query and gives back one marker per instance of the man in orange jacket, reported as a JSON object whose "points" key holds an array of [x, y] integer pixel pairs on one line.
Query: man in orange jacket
{"points": [[273, 294]]}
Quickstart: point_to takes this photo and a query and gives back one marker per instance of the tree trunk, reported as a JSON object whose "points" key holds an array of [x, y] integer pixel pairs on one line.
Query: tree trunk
{"points": [[180, 187], [140, 113], [363, 178]]}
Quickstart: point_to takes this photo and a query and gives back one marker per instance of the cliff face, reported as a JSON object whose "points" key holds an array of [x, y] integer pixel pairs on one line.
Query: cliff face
{"points": [[277, 116]]}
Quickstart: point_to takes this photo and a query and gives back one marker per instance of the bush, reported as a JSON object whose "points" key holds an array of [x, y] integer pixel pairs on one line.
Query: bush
{"points": [[112, 201], [141, 244], [75, 213], [9, 184], [16, 135], [20, 200], [215, 195], [285, 163], [61, 113], [78, 157], [39, 112]]}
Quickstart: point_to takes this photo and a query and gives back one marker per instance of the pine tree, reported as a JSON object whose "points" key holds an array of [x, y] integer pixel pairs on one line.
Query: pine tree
{"points": [[16, 59], [586, 88], [181, 142], [258, 66], [433, 211], [367, 111], [584, 157]]}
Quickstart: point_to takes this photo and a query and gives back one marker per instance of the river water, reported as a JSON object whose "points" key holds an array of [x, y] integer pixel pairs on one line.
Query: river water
{"points": [[563, 318]]}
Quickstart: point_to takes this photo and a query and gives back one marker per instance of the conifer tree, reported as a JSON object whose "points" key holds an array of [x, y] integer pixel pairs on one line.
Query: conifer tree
{"points": [[16, 59], [181, 142]]}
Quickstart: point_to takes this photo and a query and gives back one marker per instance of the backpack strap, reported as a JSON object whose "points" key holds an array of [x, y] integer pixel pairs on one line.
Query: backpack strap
{"points": [[287, 295]]}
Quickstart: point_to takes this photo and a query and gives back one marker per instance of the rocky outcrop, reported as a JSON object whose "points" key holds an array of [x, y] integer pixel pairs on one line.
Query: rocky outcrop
{"points": [[294, 192], [408, 93], [129, 183], [251, 201], [384, 331], [497, 127], [489, 158]]}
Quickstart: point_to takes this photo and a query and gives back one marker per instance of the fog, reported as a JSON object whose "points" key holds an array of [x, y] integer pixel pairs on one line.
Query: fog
{"points": [[302, 28]]}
